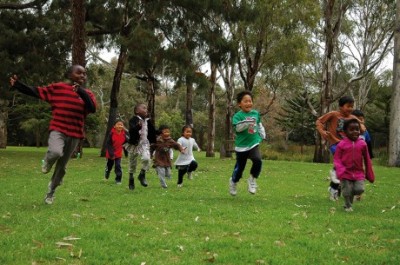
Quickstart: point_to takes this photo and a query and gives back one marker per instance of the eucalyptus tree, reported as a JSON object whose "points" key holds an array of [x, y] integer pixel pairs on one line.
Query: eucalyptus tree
{"points": [[394, 129]]}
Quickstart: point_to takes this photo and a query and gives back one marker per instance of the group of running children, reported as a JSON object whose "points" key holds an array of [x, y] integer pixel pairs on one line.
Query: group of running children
{"points": [[143, 142], [344, 130]]}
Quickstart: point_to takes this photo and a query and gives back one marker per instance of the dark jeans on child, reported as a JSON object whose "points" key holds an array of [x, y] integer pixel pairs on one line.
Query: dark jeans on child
{"points": [[182, 170], [117, 169], [241, 159]]}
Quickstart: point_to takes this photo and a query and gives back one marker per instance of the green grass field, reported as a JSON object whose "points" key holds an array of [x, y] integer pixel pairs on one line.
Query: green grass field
{"points": [[289, 221]]}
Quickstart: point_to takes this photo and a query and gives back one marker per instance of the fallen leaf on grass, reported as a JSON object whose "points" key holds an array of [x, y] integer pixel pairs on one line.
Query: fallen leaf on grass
{"points": [[180, 247], [64, 244], [280, 243], [260, 261], [70, 238], [143, 263]]}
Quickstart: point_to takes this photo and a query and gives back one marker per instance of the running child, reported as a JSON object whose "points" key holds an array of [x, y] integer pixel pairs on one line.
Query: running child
{"points": [[142, 133], [114, 150], [249, 133], [185, 163], [350, 159], [70, 103], [162, 155]]}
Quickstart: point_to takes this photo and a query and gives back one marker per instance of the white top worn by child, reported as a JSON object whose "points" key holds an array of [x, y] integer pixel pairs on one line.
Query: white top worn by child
{"points": [[186, 163]]}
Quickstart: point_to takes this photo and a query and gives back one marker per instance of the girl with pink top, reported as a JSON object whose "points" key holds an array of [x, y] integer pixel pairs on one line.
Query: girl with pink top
{"points": [[350, 159]]}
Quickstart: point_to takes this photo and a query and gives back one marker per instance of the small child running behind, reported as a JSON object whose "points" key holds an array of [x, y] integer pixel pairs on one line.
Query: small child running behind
{"points": [[185, 163], [249, 133], [162, 158], [351, 153], [114, 149]]}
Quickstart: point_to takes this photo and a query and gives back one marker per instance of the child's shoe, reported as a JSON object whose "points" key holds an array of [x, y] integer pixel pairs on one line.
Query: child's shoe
{"points": [[45, 167], [190, 175], [252, 185], [232, 187], [142, 178], [131, 183], [333, 194], [348, 209]]}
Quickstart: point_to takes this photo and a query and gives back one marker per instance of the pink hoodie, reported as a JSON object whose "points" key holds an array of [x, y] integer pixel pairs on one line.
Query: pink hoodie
{"points": [[348, 160]]}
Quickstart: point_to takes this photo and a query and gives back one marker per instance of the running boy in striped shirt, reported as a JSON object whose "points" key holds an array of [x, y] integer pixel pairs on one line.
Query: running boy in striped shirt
{"points": [[70, 104]]}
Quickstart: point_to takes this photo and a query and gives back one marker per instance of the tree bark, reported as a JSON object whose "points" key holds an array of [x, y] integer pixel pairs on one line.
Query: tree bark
{"points": [[189, 100], [211, 113], [3, 122], [78, 32], [394, 128]]}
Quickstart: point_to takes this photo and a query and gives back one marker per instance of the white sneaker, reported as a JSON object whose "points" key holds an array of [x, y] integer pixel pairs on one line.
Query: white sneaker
{"points": [[252, 185], [49, 198], [232, 187], [180, 185], [333, 194], [45, 167], [190, 175]]}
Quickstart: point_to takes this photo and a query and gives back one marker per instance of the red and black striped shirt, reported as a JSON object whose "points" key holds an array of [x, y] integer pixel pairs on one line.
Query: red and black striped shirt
{"points": [[68, 108]]}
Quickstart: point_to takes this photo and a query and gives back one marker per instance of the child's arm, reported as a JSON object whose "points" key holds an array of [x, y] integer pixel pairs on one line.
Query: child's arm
{"points": [[25, 89], [369, 171], [337, 162], [262, 131], [109, 146], [88, 98], [321, 125]]}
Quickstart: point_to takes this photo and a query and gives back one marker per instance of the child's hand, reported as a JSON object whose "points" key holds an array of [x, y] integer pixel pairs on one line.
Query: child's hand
{"points": [[13, 79], [183, 150], [325, 134]]}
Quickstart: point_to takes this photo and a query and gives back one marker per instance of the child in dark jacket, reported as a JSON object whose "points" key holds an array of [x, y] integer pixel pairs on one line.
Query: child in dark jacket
{"points": [[141, 134], [162, 158], [114, 150], [350, 159]]}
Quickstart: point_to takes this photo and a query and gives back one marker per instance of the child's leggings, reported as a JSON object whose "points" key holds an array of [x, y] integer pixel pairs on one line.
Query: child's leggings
{"points": [[241, 159]]}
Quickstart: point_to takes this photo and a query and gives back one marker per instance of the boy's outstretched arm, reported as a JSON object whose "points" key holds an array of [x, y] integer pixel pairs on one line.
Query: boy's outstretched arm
{"points": [[23, 88]]}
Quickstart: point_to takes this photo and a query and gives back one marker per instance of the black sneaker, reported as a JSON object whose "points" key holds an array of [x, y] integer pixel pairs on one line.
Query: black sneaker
{"points": [[142, 179], [131, 184]]}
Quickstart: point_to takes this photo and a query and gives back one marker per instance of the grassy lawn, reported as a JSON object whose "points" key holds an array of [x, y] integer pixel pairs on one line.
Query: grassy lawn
{"points": [[289, 221]]}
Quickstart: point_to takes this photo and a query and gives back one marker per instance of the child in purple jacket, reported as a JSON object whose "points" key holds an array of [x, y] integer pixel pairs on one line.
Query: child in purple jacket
{"points": [[350, 156]]}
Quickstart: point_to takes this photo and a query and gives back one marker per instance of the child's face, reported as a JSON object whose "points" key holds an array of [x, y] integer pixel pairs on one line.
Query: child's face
{"points": [[347, 109], [78, 75], [119, 126], [165, 133], [141, 111], [246, 104], [187, 133], [353, 131]]}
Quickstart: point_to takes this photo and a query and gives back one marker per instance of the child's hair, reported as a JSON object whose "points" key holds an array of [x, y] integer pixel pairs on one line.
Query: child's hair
{"points": [[358, 113], [162, 127], [69, 70], [118, 120], [137, 106], [241, 95], [347, 123], [185, 127], [344, 100]]}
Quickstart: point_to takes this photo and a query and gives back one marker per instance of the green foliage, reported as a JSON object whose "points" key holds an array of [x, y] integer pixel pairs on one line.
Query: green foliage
{"points": [[297, 120], [289, 221], [174, 120]]}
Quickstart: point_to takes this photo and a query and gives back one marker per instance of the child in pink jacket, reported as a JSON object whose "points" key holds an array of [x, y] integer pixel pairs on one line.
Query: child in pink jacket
{"points": [[350, 158]]}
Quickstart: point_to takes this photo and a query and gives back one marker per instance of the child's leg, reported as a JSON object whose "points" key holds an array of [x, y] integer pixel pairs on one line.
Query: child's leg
{"points": [[118, 170], [255, 157], [181, 172], [192, 167], [109, 166], [241, 160], [358, 188], [161, 175], [347, 192]]}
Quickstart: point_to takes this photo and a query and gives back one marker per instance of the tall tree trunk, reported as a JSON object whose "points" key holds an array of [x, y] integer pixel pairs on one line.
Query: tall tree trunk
{"points": [[211, 113], [394, 128], [333, 21], [78, 32], [151, 96], [189, 100], [112, 116], [3, 122]]}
